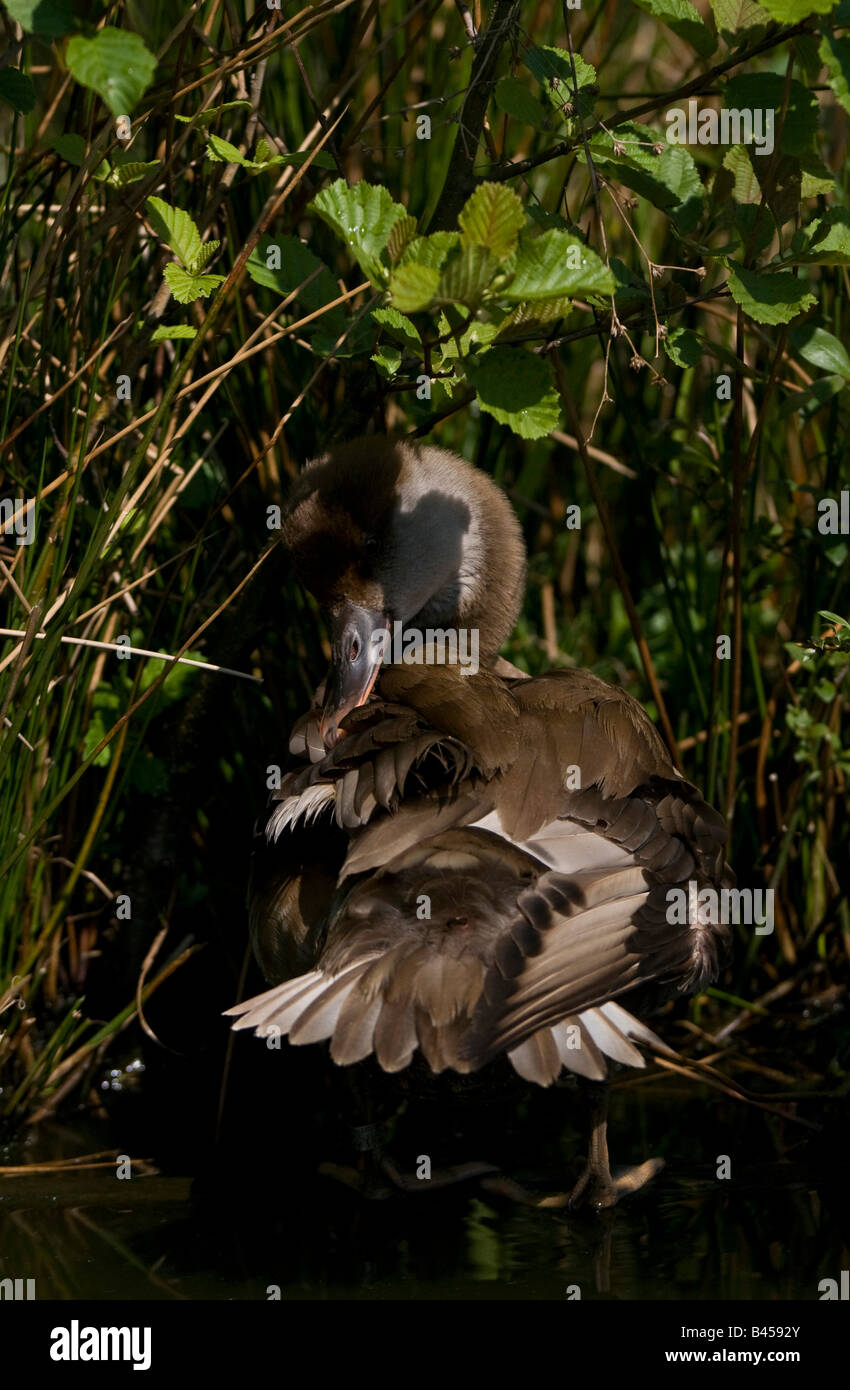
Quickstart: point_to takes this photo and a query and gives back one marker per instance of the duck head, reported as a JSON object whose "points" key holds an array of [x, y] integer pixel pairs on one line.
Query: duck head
{"points": [[385, 531]]}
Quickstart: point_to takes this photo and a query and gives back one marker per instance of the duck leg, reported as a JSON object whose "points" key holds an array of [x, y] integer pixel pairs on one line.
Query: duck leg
{"points": [[596, 1186], [364, 1119]]}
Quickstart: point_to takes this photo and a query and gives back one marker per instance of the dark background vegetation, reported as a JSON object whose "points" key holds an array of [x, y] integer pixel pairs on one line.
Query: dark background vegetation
{"points": [[699, 518]]}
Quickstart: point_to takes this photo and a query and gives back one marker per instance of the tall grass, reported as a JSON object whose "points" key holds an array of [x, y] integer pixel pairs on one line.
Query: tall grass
{"points": [[128, 786]]}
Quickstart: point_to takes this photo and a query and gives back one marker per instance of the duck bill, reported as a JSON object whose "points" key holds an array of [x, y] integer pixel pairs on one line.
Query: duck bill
{"points": [[357, 650]]}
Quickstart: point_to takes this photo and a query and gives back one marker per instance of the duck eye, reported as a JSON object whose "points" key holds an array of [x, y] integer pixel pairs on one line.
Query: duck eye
{"points": [[370, 545]]}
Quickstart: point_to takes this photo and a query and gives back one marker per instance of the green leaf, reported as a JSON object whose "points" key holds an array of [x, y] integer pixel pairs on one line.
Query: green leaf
{"points": [[202, 119], [797, 652], [492, 217], [746, 187], [176, 228], [669, 180], [806, 57], [675, 170], [836, 555], [834, 618], [512, 97], [430, 250], [738, 20], [631, 291], [834, 53], [547, 220], [297, 264], [186, 287], [825, 241], [173, 330], [363, 215], [819, 730], [115, 64], [557, 263], [17, 89], [388, 360], [516, 388], [813, 398], [321, 160], [132, 172], [723, 354], [400, 326], [792, 11], [71, 148], [50, 19], [476, 334], [95, 731], [401, 236], [466, 276], [779, 180], [149, 774], [358, 336], [753, 228], [821, 348], [203, 257], [826, 690], [553, 69], [764, 91], [414, 281], [534, 314], [179, 679], [413, 286], [221, 151], [684, 20], [683, 347], [768, 298], [816, 177]]}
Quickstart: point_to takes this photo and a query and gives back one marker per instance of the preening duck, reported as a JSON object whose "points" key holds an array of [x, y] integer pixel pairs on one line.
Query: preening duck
{"points": [[468, 862]]}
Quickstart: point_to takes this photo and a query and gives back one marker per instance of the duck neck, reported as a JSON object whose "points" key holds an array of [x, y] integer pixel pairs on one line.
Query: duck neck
{"points": [[479, 598]]}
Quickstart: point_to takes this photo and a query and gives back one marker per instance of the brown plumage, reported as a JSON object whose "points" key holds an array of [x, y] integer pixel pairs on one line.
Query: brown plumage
{"points": [[473, 864]]}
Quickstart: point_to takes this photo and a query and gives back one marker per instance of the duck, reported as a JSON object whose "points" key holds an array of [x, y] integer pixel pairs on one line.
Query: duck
{"points": [[464, 864]]}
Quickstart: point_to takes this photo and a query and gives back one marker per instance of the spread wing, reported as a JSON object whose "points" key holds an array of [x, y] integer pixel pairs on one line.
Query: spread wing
{"points": [[484, 867]]}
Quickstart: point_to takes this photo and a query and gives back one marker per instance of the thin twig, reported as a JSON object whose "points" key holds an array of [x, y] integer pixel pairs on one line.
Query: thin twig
{"points": [[136, 651], [609, 460], [524, 166], [460, 180]]}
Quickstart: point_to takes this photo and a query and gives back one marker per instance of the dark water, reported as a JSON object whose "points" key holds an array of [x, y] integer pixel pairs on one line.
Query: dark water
{"points": [[252, 1212]]}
